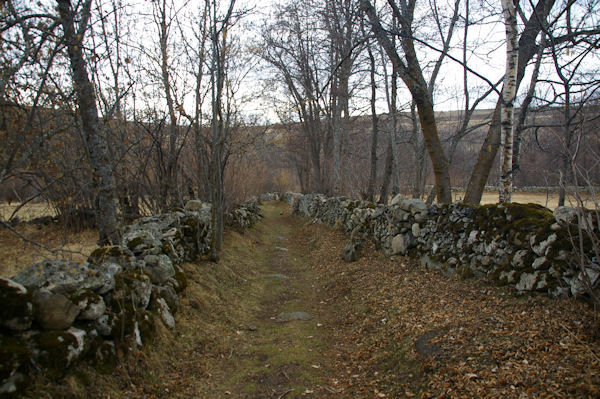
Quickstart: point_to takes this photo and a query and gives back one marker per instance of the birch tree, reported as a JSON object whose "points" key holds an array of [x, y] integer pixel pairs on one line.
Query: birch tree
{"points": [[509, 91]]}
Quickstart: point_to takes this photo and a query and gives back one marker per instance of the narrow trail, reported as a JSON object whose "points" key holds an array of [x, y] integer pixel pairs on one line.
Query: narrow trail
{"points": [[281, 347], [283, 316]]}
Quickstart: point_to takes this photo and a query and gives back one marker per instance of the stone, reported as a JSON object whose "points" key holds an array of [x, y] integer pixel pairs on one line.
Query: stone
{"points": [[518, 260], [160, 268], [277, 276], [430, 263], [57, 350], [104, 325], [559, 292], [540, 248], [195, 205], [168, 294], [141, 241], [351, 252], [413, 205], [12, 384], [580, 284], [472, 237], [165, 313], [396, 200], [527, 281], [54, 311], [58, 276], [107, 272], [507, 277], [75, 350], [565, 215], [293, 316], [421, 217], [91, 304], [14, 353], [114, 254], [401, 243], [16, 306], [542, 282], [132, 286], [540, 263], [416, 230], [555, 227]]}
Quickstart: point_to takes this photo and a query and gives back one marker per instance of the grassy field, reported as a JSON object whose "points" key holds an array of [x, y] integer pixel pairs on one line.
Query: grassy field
{"points": [[549, 200], [28, 212], [17, 253]]}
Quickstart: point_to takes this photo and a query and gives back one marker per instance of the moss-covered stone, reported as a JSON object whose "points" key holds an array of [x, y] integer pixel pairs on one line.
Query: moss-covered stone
{"points": [[132, 286], [100, 254], [16, 306], [181, 278], [105, 357], [132, 327], [14, 353], [57, 350], [464, 272], [91, 304], [166, 293], [513, 217]]}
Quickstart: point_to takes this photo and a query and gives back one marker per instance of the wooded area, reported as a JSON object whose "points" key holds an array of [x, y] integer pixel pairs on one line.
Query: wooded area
{"points": [[110, 110]]}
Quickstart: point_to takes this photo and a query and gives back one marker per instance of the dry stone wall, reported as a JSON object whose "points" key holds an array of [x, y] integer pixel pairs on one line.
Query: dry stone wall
{"points": [[524, 245], [56, 312]]}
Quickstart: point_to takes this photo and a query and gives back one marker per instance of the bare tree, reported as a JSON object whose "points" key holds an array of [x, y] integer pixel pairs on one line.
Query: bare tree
{"points": [[292, 45], [528, 47], [94, 136], [411, 73]]}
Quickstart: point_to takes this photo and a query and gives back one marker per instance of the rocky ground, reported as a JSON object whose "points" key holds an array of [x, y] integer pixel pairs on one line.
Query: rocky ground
{"points": [[282, 316]]}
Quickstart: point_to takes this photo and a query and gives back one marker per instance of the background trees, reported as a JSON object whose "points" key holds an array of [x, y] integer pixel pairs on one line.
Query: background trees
{"points": [[163, 97]]}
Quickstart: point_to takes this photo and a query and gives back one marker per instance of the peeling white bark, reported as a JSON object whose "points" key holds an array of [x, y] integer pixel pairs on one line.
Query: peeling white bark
{"points": [[509, 91]]}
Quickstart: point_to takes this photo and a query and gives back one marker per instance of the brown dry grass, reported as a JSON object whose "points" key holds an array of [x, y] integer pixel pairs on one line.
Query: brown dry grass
{"points": [[28, 212], [16, 254], [549, 200]]}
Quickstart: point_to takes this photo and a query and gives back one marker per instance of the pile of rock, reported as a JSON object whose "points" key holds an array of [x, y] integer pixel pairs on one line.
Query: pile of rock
{"points": [[56, 312], [244, 216], [526, 246], [269, 197]]}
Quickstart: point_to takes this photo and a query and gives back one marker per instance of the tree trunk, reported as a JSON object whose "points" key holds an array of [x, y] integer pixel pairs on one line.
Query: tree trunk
{"points": [[93, 136], [509, 91], [170, 181], [375, 127], [527, 49], [387, 175], [412, 75]]}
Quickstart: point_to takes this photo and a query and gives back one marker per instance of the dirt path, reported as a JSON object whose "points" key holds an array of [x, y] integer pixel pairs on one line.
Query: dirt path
{"points": [[281, 347]]}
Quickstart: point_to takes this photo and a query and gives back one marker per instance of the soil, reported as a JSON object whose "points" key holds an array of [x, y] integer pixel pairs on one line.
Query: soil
{"points": [[379, 328]]}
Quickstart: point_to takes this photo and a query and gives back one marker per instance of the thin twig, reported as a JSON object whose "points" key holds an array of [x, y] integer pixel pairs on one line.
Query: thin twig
{"points": [[285, 393]]}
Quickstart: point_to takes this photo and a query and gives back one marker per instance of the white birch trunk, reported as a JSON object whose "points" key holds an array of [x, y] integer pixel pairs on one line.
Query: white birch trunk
{"points": [[508, 97]]}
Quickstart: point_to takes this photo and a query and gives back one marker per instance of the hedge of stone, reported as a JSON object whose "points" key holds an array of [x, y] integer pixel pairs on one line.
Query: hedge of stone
{"points": [[56, 312], [524, 245]]}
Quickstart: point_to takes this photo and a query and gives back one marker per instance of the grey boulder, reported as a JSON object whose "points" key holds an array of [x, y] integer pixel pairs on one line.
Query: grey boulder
{"points": [[54, 311]]}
